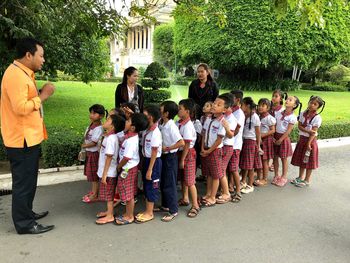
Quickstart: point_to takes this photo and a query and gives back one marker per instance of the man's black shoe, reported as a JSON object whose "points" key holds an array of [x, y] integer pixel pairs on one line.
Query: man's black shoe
{"points": [[40, 215], [36, 229]]}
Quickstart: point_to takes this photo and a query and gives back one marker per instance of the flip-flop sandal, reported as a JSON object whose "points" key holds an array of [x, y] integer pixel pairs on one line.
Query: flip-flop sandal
{"points": [[169, 217], [100, 221], [122, 221], [87, 195], [89, 201], [207, 204], [101, 214], [140, 219], [182, 202], [193, 212], [220, 200], [236, 197], [161, 209]]}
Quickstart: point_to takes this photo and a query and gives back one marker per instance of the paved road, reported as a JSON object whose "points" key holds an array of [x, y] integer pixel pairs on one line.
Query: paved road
{"points": [[269, 225]]}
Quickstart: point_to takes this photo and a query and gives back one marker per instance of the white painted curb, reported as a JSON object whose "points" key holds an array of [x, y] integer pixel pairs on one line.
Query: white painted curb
{"points": [[75, 173]]}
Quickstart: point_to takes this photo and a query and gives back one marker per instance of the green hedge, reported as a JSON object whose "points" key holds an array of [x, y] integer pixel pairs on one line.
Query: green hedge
{"points": [[264, 85], [62, 148], [155, 84], [326, 86], [156, 96], [182, 81]]}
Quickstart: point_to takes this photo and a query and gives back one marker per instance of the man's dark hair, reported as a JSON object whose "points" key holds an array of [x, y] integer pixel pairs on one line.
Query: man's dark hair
{"points": [[238, 94], [25, 45], [227, 98], [153, 111], [188, 104], [139, 121], [130, 105], [171, 108], [118, 123], [98, 108]]}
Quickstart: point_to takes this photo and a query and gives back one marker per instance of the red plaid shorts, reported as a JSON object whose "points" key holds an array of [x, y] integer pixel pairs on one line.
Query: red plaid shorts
{"points": [[91, 166], [285, 149], [268, 148], [126, 187], [227, 152], [299, 153], [233, 165], [188, 174], [250, 158], [107, 191], [214, 164]]}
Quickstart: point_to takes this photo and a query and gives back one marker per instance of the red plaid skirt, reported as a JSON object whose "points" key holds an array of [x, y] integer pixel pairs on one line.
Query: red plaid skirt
{"points": [[107, 191], [285, 149], [233, 165], [91, 166], [188, 174], [126, 187], [250, 158], [227, 152], [299, 153], [214, 164], [268, 148]]}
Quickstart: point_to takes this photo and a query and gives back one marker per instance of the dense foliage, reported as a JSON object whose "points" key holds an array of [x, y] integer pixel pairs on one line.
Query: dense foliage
{"points": [[163, 41]]}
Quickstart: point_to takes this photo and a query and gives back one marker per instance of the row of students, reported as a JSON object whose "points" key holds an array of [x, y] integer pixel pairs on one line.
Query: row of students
{"points": [[235, 134]]}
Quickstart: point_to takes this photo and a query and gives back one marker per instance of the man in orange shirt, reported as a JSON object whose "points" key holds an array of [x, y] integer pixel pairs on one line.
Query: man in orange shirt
{"points": [[23, 130]]}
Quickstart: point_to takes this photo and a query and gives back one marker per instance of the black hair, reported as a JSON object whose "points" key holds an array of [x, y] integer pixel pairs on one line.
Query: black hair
{"points": [[196, 112], [238, 94], [188, 104], [118, 111], [25, 45], [98, 108], [252, 106], [283, 95], [228, 98], [265, 101], [153, 111], [128, 72], [206, 68], [118, 123], [297, 104], [320, 101], [171, 108], [130, 105], [139, 121]]}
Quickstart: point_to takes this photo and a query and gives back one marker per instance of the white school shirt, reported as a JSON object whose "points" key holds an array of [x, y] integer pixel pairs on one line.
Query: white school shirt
{"points": [[121, 137], [282, 125], [233, 124], [278, 111], [110, 146], [315, 122], [170, 134], [240, 117], [213, 128], [250, 133], [151, 138], [266, 123], [93, 135], [130, 150], [197, 126], [188, 132]]}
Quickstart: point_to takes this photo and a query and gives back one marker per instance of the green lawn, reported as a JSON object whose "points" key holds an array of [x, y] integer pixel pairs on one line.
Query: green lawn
{"points": [[69, 105]]}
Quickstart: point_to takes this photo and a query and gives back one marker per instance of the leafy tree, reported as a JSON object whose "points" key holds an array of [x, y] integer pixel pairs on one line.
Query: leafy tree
{"points": [[163, 45]]}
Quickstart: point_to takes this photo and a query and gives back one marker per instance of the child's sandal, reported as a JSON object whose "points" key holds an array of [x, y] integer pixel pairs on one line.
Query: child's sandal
{"points": [[236, 197], [169, 217], [193, 212]]}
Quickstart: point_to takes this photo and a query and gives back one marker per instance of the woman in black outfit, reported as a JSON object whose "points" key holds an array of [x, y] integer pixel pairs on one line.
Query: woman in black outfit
{"points": [[204, 88], [129, 90]]}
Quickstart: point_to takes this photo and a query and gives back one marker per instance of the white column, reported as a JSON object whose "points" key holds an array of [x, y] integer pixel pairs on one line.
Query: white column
{"points": [[137, 38], [144, 37], [151, 37], [132, 38]]}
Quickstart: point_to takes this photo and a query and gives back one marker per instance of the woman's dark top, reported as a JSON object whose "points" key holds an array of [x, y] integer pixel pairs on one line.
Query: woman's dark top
{"points": [[122, 96], [202, 95]]}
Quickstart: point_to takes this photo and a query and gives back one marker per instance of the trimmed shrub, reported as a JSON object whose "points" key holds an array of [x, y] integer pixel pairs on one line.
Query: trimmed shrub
{"points": [[326, 86], [112, 79], [338, 74], [62, 148], [182, 81], [156, 96], [155, 84], [155, 71]]}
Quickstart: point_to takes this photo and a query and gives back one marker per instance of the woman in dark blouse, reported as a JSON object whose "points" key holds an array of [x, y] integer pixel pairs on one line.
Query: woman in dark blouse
{"points": [[204, 88], [129, 90]]}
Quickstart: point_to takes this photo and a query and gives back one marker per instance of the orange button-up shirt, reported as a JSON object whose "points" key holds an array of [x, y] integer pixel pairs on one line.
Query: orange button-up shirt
{"points": [[20, 108]]}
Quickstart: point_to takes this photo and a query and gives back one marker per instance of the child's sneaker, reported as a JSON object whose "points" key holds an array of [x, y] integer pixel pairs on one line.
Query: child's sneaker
{"points": [[281, 182], [243, 185], [248, 189], [302, 184], [295, 180]]}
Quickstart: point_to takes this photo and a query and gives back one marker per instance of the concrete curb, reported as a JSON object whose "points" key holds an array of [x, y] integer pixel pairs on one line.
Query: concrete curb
{"points": [[75, 173]]}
